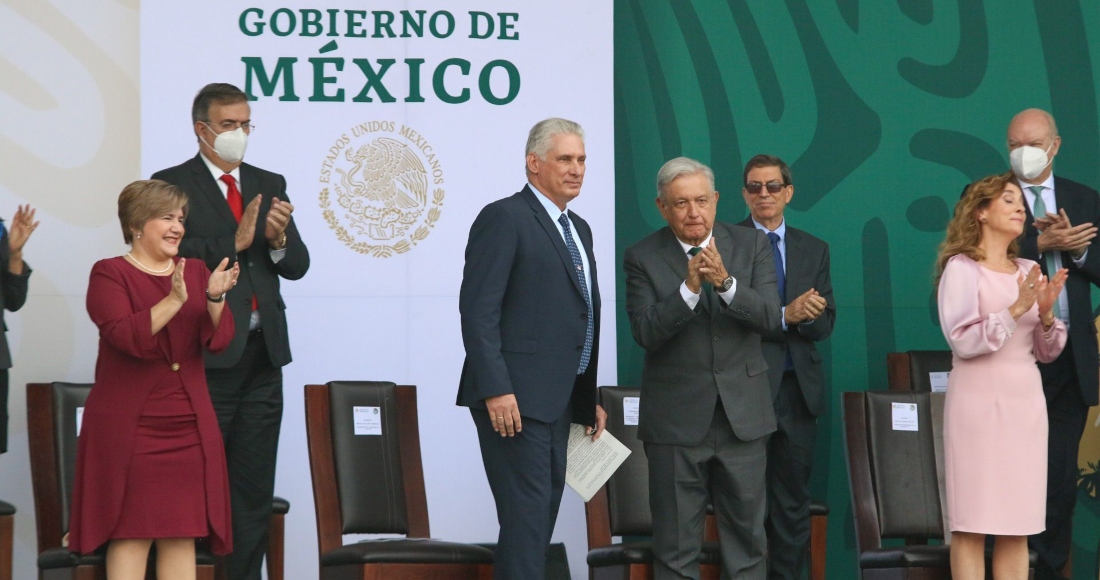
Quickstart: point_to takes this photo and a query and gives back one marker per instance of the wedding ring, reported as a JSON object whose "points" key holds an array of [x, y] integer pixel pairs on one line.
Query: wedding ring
{"points": [[1030, 285]]}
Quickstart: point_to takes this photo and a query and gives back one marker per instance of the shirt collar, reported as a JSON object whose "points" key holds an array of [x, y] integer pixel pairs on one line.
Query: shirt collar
{"points": [[781, 231], [217, 172], [1048, 183], [551, 207], [687, 247]]}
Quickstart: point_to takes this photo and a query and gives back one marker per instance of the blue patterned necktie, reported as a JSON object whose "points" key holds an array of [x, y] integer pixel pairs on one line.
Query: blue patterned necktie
{"points": [[1048, 257], [781, 281], [589, 333]]}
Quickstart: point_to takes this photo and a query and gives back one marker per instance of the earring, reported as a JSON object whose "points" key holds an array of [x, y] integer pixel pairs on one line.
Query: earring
{"points": [[139, 236]]}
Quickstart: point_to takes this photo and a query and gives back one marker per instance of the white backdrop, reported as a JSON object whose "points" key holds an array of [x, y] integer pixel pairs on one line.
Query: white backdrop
{"points": [[356, 315]]}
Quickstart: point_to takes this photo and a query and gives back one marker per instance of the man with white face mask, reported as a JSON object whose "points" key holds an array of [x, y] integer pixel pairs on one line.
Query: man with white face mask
{"points": [[1060, 231], [241, 212]]}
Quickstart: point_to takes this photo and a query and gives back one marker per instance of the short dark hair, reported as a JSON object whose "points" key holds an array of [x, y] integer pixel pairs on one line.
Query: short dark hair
{"points": [[220, 93], [767, 161], [141, 201]]}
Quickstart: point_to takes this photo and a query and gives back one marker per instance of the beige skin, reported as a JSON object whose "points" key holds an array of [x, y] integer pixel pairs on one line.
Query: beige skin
{"points": [[1001, 222], [767, 209], [1036, 128], [559, 176], [689, 204], [227, 117], [20, 228]]}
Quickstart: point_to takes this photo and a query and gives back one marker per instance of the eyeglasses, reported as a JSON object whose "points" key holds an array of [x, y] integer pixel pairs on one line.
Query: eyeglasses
{"points": [[232, 126], [773, 186]]}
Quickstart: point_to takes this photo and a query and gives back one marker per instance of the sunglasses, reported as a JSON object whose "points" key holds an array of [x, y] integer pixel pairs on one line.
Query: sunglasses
{"points": [[756, 186]]}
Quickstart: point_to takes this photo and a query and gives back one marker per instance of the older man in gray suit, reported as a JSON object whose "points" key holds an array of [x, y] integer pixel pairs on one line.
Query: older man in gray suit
{"points": [[699, 295]]}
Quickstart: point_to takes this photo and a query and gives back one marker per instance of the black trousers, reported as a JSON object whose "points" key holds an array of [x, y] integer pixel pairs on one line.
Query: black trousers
{"points": [[3, 410], [527, 476], [790, 460], [1066, 414], [248, 400]]}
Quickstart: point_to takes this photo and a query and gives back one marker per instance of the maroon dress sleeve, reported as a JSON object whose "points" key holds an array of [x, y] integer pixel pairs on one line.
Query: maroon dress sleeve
{"points": [[111, 309]]}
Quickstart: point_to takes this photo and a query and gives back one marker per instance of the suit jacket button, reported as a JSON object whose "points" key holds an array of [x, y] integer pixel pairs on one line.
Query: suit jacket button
{"points": [[580, 347], [716, 338], [717, 371], [175, 366]]}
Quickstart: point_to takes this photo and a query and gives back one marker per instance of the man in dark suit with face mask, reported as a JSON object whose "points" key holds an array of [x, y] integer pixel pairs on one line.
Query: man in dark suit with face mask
{"points": [[241, 212], [1060, 230]]}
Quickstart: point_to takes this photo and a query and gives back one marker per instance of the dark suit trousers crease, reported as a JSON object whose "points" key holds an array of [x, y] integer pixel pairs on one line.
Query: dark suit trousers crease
{"points": [[527, 476], [1066, 413], [729, 472], [248, 400], [790, 459], [3, 410]]}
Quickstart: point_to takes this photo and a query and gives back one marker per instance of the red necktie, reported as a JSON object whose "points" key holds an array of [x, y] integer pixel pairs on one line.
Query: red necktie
{"points": [[233, 196], [236, 205]]}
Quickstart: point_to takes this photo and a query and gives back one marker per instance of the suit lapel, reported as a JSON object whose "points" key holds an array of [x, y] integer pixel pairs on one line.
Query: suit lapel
{"points": [[555, 236], [209, 188], [673, 255]]}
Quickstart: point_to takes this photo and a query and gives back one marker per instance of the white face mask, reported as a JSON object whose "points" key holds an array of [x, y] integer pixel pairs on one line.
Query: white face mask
{"points": [[1028, 162], [230, 145]]}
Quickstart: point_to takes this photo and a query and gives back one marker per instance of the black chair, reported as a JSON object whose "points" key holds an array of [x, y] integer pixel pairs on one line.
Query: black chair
{"points": [[895, 488], [621, 508], [909, 371], [374, 484], [51, 426]]}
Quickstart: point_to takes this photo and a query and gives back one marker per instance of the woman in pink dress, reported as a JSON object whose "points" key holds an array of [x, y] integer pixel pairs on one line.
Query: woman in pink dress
{"points": [[996, 311], [150, 464]]}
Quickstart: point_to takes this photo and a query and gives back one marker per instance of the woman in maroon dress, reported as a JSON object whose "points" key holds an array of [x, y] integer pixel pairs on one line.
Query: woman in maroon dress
{"points": [[150, 463]]}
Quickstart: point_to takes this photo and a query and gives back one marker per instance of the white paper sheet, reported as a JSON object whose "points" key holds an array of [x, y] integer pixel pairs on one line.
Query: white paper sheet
{"points": [[904, 416], [938, 381], [591, 463], [630, 411], [368, 421]]}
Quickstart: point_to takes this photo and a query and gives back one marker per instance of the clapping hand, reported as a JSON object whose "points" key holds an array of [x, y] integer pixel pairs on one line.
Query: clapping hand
{"points": [[806, 307], [179, 287], [278, 218], [1047, 293], [1058, 234], [222, 280]]}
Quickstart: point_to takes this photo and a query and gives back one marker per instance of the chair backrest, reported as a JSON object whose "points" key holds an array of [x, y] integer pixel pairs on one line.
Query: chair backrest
{"points": [[52, 429], [364, 454], [628, 487], [910, 371], [892, 473]]}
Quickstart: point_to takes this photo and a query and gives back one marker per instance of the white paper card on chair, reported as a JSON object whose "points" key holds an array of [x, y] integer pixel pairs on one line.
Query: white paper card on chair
{"points": [[630, 411], [368, 420], [904, 416], [79, 419], [589, 464], [938, 382]]}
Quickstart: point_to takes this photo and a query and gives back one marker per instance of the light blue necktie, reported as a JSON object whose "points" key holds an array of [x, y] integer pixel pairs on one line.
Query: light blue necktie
{"points": [[586, 353], [1048, 256]]}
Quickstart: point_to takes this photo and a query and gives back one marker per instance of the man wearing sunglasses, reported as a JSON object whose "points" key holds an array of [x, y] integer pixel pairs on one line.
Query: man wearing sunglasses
{"points": [[794, 364], [699, 294]]}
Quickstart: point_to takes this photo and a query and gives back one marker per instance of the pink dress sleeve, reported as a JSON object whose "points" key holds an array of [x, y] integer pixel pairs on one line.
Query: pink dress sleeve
{"points": [[111, 309], [1049, 344], [968, 333]]}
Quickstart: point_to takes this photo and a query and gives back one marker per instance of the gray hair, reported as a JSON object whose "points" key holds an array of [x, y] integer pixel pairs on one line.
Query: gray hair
{"points": [[677, 167], [538, 140]]}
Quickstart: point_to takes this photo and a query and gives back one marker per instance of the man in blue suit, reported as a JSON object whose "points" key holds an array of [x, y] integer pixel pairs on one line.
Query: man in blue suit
{"points": [[530, 309]]}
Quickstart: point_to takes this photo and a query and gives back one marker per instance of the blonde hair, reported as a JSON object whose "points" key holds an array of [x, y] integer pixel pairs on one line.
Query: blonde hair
{"points": [[145, 199], [964, 232]]}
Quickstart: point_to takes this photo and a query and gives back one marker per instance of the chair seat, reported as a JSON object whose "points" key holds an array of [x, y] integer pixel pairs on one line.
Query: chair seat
{"points": [[642, 553], [62, 558], [6, 509], [818, 509], [920, 557], [279, 505], [407, 550]]}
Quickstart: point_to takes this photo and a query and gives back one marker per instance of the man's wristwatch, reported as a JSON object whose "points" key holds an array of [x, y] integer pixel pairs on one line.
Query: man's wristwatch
{"points": [[726, 285]]}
